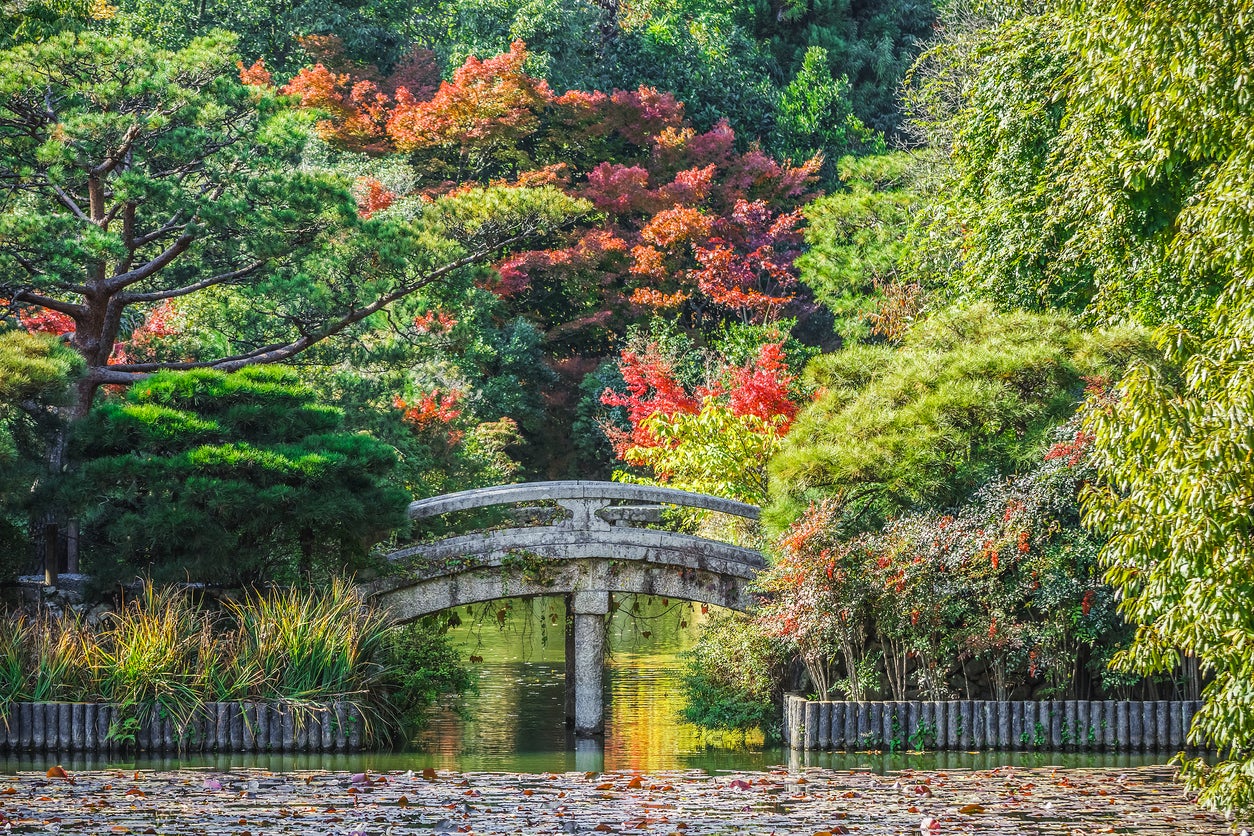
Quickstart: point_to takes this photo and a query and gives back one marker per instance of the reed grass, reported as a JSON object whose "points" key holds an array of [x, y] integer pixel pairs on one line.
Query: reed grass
{"points": [[160, 651]]}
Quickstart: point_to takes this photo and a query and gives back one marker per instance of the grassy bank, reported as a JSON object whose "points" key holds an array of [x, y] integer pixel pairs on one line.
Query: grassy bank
{"points": [[161, 651]]}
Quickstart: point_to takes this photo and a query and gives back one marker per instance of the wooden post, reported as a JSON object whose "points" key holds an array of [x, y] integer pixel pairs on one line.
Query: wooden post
{"points": [[1135, 737], [977, 725], [967, 715], [825, 725], [812, 725], [875, 725], [1016, 726], [1149, 726], [838, 725], [1123, 724], [1095, 725]]}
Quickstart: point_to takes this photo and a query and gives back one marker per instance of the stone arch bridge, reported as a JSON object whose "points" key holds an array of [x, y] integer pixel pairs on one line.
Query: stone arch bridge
{"points": [[586, 541]]}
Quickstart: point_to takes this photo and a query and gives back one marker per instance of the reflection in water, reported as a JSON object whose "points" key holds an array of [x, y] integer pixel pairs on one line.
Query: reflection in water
{"points": [[516, 721]]}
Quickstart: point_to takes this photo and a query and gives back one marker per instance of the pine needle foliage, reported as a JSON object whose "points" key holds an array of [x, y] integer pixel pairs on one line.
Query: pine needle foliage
{"points": [[970, 394], [241, 478]]}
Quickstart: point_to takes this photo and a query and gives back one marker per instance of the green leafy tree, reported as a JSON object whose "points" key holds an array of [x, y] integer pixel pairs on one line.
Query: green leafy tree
{"points": [[1098, 157], [733, 678], [566, 39], [141, 176], [1086, 162], [856, 240], [36, 376], [870, 42], [814, 115], [1173, 451], [40, 19], [968, 395], [231, 478], [375, 32]]}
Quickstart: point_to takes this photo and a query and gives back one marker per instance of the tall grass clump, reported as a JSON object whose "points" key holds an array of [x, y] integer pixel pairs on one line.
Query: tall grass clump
{"points": [[43, 658], [310, 644], [151, 652], [160, 651]]}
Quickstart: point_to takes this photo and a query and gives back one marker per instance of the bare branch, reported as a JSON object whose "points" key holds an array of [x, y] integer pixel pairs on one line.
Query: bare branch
{"points": [[69, 203], [282, 351], [170, 253], [221, 278], [32, 298]]}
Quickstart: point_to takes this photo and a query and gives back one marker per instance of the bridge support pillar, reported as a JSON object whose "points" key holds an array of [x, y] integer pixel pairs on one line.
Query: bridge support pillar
{"points": [[590, 608], [570, 660]]}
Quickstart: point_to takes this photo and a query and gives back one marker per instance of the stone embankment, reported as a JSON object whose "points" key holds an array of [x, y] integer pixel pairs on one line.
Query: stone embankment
{"points": [[1043, 802], [1063, 725]]}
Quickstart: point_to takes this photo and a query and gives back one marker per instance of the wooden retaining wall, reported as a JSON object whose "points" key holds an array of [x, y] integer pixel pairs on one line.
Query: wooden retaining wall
{"points": [[215, 727], [963, 725]]}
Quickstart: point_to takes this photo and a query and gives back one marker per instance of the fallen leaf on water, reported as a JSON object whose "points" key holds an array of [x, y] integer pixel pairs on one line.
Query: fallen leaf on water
{"points": [[605, 786], [429, 774], [928, 826], [635, 783], [971, 808], [403, 801], [57, 772], [603, 828], [137, 792]]}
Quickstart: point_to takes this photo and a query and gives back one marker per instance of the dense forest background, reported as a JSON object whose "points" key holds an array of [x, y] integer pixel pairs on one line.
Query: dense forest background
{"points": [[958, 291]]}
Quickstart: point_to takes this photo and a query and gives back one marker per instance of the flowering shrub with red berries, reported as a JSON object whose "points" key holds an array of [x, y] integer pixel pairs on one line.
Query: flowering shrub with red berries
{"points": [[1000, 598]]}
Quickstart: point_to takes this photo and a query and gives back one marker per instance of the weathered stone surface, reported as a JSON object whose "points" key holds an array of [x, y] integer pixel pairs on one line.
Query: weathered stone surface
{"points": [[574, 490], [589, 673], [586, 551], [409, 600]]}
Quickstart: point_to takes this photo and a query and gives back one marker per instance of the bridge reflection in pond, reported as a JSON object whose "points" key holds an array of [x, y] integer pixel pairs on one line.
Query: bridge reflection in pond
{"points": [[516, 721]]}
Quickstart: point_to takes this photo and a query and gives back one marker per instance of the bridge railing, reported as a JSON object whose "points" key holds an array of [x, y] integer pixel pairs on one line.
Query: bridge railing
{"points": [[602, 494], [578, 520]]}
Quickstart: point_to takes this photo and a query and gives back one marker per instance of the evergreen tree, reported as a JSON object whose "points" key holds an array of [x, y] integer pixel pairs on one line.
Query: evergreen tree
{"points": [[229, 478]]}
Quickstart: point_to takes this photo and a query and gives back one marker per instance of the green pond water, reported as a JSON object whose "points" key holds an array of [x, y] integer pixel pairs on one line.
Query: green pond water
{"points": [[515, 721]]}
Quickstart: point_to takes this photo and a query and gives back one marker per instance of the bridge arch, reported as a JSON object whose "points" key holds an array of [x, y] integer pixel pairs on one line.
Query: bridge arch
{"points": [[593, 545]]}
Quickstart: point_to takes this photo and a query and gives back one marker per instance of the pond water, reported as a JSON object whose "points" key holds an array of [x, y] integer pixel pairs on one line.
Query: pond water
{"points": [[515, 721]]}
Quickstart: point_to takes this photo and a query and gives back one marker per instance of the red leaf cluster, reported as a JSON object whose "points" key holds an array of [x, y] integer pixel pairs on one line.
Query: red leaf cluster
{"points": [[762, 388], [434, 411], [46, 321], [708, 230]]}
